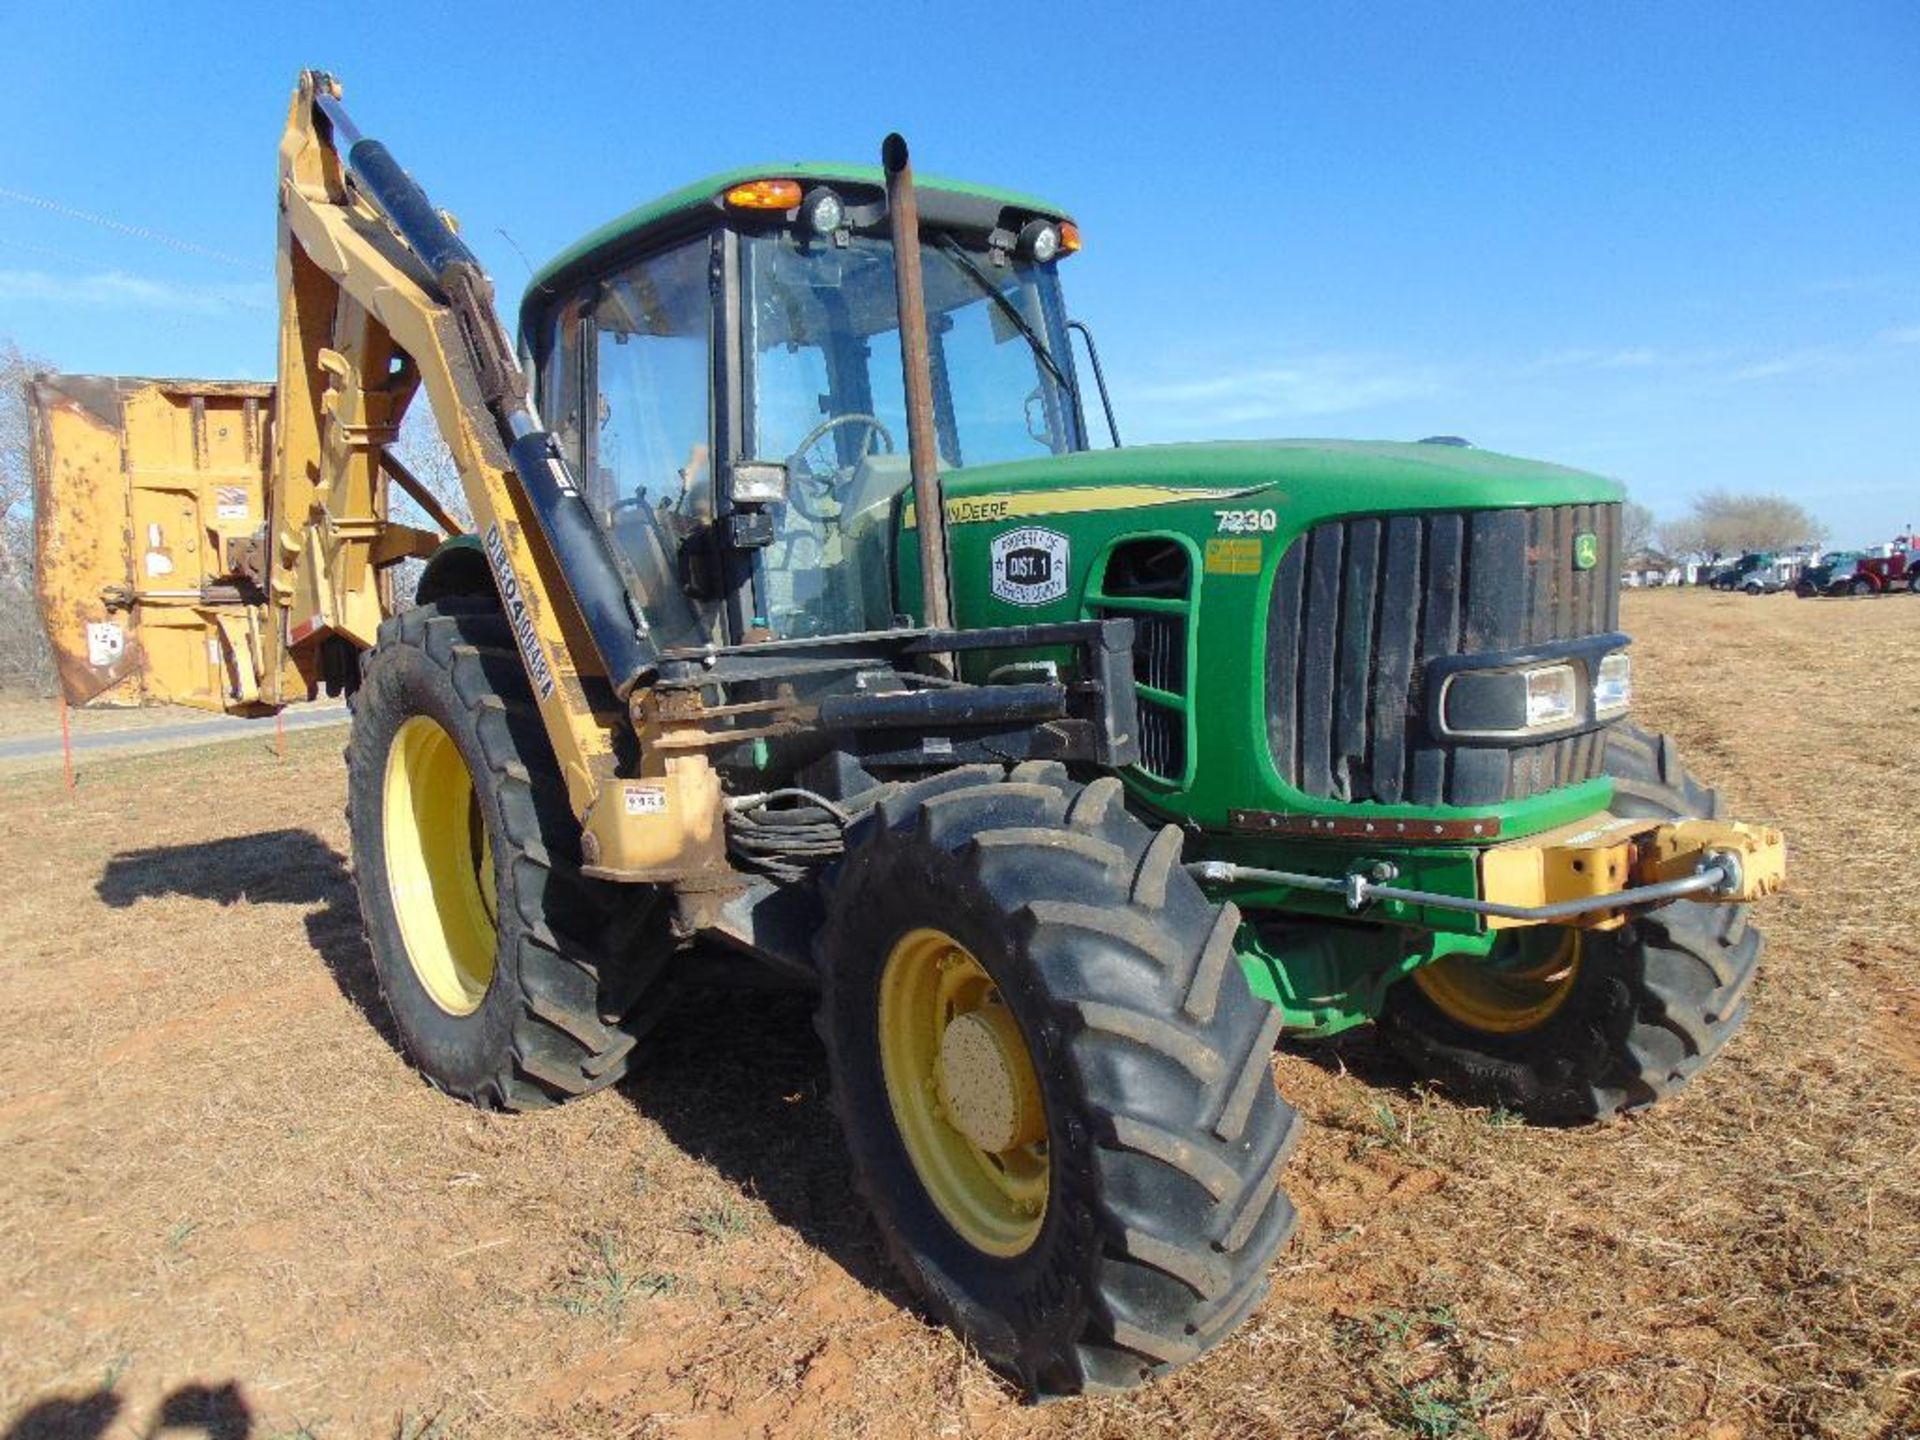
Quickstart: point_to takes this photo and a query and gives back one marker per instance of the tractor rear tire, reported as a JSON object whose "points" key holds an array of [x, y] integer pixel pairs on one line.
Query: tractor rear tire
{"points": [[1131, 1225], [1642, 1008], [513, 980]]}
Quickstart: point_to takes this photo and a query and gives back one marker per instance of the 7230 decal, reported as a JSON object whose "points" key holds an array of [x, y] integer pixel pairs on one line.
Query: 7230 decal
{"points": [[1246, 522]]}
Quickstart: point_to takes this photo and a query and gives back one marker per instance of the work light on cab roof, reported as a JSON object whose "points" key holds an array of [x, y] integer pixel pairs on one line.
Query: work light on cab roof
{"points": [[821, 209]]}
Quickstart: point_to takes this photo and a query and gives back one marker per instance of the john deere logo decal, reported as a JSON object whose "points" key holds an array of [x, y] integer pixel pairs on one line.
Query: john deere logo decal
{"points": [[1586, 550], [1029, 566]]}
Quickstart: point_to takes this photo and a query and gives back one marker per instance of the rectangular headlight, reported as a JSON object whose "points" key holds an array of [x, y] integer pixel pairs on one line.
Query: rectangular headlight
{"points": [[1553, 696], [1510, 704], [1613, 686]]}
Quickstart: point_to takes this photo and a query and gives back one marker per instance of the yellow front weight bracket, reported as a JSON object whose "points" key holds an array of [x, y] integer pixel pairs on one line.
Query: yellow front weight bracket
{"points": [[1678, 849], [1597, 860]]}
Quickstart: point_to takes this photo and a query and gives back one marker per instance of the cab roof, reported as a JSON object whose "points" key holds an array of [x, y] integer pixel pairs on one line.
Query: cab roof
{"points": [[675, 210]]}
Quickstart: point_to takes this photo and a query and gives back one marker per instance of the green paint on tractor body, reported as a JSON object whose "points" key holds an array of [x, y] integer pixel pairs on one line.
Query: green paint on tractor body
{"points": [[1235, 508], [1099, 500]]}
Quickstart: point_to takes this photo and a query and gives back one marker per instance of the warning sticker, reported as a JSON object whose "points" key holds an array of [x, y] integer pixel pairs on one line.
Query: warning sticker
{"points": [[646, 799], [106, 643], [1233, 557], [1029, 566], [230, 502]]}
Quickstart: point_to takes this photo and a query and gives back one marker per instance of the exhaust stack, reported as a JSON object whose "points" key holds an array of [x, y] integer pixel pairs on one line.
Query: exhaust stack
{"points": [[903, 211]]}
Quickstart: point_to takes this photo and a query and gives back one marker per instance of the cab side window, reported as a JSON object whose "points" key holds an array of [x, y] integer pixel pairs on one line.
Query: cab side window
{"points": [[652, 326], [561, 383], [648, 351]]}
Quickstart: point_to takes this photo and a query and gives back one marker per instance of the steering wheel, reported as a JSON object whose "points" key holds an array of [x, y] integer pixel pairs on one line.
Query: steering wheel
{"points": [[834, 422], [828, 481]]}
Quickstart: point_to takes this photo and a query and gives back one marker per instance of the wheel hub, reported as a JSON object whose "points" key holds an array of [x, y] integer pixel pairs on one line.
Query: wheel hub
{"points": [[986, 1084], [964, 1093]]}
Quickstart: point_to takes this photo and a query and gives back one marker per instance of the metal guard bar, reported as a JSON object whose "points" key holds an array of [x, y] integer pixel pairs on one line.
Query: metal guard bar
{"points": [[1719, 874]]}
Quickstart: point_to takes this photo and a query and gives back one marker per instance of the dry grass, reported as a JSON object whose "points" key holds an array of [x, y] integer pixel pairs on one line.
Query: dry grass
{"points": [[218, 1174], [23, 716]]}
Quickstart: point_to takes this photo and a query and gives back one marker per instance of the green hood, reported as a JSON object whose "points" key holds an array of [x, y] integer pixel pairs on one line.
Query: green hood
{"points": [[1309, 478], [1031, 541]]}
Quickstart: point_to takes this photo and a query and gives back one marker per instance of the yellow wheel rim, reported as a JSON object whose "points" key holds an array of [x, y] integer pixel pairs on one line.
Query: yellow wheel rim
{"points": [[965, 1098], [439, 866], [1523, 993]]}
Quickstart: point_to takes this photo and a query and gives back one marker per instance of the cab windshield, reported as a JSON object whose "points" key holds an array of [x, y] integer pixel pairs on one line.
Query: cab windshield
{"points": [[823, 393]]}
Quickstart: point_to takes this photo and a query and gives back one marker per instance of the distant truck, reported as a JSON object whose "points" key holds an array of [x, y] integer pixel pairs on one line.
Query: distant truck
{"points": [[1882, 574], [1755, 566], [1849, 572]]}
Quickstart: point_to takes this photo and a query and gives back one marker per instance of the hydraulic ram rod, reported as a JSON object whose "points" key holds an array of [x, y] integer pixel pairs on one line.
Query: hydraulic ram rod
{"points": [[590, 567]]}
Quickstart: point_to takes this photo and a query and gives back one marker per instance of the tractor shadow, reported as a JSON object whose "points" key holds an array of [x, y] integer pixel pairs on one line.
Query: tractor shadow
{"points": [[213, 1412], [738, 1079], [735, 1077], [272, 867], [1361, 1054]]}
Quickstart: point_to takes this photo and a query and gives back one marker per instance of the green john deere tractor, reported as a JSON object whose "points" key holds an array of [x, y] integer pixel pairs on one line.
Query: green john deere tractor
{"points": [[1073, 777]]}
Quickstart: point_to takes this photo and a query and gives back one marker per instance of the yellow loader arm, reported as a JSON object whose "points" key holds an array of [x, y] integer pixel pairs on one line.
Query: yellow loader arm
{"points": [[227, 545]]}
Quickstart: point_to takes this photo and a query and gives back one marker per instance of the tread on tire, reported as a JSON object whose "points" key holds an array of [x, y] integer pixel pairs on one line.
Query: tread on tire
{"points": [[1166, 1135], [577, 962]]}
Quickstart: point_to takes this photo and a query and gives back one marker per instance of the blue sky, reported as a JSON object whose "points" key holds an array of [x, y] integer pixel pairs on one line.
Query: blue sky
{"points": [[1676, 243]]}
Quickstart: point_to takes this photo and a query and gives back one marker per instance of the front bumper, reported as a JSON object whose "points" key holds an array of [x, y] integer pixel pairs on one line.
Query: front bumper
{"points": [[1593, 875]]}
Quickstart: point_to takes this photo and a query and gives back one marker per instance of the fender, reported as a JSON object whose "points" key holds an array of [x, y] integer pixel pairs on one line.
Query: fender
{"points": [[458, 567]]}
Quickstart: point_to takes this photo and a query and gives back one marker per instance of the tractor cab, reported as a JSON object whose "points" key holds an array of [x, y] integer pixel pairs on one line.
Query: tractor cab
{"points": [[723, 371]]}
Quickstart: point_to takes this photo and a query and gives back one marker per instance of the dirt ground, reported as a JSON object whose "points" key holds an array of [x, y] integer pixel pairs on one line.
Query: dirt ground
{"points": [[227, 1206]]}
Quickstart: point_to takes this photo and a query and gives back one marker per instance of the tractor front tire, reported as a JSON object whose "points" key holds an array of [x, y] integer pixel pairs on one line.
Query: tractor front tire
{"points": [[1054, 1082], [514, 981], [1608, 1020]]}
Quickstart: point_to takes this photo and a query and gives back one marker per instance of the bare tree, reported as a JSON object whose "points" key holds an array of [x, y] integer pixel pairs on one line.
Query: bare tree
{"points": [[1683, 538], [1731, 524], [1636, 528], [427, 458], [25, 661]]}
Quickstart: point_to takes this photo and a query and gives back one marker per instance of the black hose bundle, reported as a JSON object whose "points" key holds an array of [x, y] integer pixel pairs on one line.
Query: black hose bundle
{"points": [[786, 841]]}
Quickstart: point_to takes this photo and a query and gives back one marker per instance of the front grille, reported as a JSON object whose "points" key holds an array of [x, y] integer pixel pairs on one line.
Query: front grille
{"points": [[1150, 582], [1163, 742], [1360, 606], [1160, 651]]}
